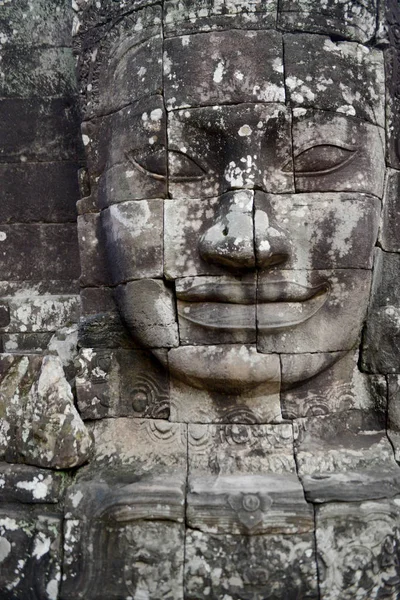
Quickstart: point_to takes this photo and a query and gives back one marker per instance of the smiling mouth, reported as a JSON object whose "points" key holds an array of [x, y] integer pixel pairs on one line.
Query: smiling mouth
{"points": [[226, 307]]}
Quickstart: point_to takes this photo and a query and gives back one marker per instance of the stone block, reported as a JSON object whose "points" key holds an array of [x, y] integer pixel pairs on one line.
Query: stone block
{"points": [[37, 129], [245, 66], [214, 149], [126, 153], [311, 305], [24, 484], [389, 236], [389, 20], [393, 424], [40, 313], [355, 22], [148, 309], [30, 554], [244, 567], [37, 23], [314, 67], [326, 383], [26, 343], [37, 72], [133, 233], [357, 548], [124, 54], [121, 383], [104, 330], [338, 230], [381, 350], [337, 153], [97, 300], [192, 17], [93, 258], [38, 192]]}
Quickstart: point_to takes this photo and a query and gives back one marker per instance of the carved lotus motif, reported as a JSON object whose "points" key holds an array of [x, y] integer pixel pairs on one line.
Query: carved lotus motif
{"points": [[250, 508]]}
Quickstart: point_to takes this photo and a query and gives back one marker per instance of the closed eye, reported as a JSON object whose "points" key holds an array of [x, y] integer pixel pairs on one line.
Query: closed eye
{"points": [[152, 163], [183, 168], [321, 160]]}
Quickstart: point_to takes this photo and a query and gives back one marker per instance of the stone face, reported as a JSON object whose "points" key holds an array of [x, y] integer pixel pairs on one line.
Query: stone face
{"points": [[389, 236], [245, 567], [30, 543], [121, 383], [214, 149], [344, 18], [133, 233], [244, 67], [357, 546], [314, 67], [206, 15]]}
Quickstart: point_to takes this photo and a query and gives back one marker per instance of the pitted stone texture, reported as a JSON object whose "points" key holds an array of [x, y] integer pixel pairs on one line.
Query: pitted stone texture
{"points": [[314, 67], [346, 457], [214, 149], [345, 18], [41, 425], [357, 549], [148, 309], [93, 259], [335, 153], [389, 236], [380, 352], [30, 555], [29, 485], [104, 330], [121, 383], [193, 16], [126, 153], [124, 55], [338, 230], [215, 310], [330, 383], [316, 302], [133, 237], [389, 22], [243, 567], [33, 312], [394, 413], [26, 343], [36, 23], [45, 192], [132, 559], [38, 129], [244, 66]]}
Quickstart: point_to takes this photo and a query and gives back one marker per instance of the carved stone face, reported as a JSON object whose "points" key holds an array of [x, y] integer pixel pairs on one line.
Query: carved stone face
{"points": [[241, 207]]}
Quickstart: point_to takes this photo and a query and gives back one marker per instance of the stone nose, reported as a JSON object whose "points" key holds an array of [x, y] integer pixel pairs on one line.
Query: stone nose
{"points": [[241, 237]]}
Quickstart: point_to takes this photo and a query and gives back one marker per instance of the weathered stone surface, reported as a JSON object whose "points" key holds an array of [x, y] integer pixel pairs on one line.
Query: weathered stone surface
{"points": [[18, 262], [191, 17], [314, 67], [148, 309], [125, 56], [243, 567], [94, 268], [393, 423], [334, 152], [38, 192], [126, 153], [63, 344], [216, 310], [389, 14], [36, 22], [357, 548], [29, 485], [40, 425], [312, 304], [26, 343], [133, 234], [389, 236], [104, 330], [121, 383], [214, 149], [336, 386], [30, 312], [345, 456], [140, 559], [38, 130], [243, 67], [30, 555], [338, 230], [344, 18], [380, 351], [97, 300], [40, 72]]}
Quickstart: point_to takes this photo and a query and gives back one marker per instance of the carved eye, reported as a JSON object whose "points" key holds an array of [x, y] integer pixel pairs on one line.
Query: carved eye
{"points": [[151, 163], [183, 168], [321, 159]]}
